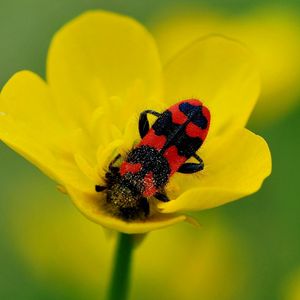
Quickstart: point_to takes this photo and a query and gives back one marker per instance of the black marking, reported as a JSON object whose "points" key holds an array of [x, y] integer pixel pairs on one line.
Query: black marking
{"points": [[176, 135], [195, 112]]}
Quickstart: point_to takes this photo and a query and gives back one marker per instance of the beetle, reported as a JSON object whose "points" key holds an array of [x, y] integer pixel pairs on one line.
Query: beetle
{"points": [[175, 136]]}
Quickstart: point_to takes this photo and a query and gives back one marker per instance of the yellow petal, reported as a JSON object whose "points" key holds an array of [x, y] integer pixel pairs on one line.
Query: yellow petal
{"points": [[271, 31], [176, 30], [90, 204], [30, 125], [274, 35], [101, 49], [221, 73], [27, 99], [235, 166]]}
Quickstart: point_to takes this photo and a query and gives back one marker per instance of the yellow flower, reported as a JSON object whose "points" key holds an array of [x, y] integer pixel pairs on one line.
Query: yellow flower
{"points": [[103, 69], [273, 34]]}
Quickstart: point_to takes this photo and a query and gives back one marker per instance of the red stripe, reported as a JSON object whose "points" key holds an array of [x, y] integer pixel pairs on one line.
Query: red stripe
{"points": [[127, 167], [206, 114], [174, 159], [153, 140], [178, 117], [193, 130], [149, 185]]}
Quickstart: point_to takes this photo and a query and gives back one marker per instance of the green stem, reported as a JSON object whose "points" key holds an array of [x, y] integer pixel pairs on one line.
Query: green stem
{"points": [[119, 284]]}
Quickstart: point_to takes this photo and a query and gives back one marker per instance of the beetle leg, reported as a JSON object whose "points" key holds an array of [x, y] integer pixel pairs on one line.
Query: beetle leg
{"points": [[198, 158], [100, 188], [113, 171], [162, 197], [113, 161], [189, 168], [145, 206], [144, 123]]}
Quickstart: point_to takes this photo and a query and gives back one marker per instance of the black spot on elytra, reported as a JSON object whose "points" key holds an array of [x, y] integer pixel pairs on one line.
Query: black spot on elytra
{"points": [[176, 135], [195, 113]]}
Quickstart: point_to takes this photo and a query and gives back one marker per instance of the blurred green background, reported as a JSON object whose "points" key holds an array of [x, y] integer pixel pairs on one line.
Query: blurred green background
{"points": [[249, 249]]}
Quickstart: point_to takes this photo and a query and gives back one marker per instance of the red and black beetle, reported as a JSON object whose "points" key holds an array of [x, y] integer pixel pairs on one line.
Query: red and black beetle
{"points": [[174, 137]]}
